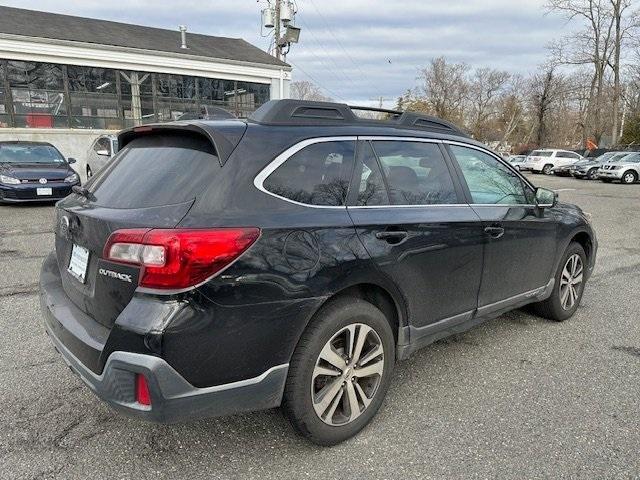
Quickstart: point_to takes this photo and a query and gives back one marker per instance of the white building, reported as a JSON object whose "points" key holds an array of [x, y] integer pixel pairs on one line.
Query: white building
{"points": [[66, 79]]}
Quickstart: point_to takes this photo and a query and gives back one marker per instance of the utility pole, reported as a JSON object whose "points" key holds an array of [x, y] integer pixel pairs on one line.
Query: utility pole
{"points": [[276, 22]]}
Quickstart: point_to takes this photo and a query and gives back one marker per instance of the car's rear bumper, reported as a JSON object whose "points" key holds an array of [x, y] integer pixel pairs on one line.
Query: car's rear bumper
{"points": [[172, 397], [84, 344]]}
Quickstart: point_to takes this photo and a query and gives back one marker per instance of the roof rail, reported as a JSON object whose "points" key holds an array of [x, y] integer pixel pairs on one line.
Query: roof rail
{"points": [[306, 112]]}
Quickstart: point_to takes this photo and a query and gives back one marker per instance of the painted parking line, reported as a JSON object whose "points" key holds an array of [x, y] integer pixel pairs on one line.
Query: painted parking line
{"points": [[565, 190]]}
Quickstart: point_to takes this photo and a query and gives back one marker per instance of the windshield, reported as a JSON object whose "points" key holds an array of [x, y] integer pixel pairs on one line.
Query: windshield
{"points": [[541, 153], [16, 153]]}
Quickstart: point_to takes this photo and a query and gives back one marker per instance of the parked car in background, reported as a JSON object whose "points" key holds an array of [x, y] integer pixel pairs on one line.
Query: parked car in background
{"points": [[545, 160], [215, 267], [517, 161], [588, 168], [34, 171], [102, 149], [625, 170]]}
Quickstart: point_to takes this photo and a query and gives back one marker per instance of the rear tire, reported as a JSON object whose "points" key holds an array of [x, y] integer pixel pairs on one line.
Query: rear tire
{"points": [[567, 292], [547, 169], [319, 394], [629, 177]]}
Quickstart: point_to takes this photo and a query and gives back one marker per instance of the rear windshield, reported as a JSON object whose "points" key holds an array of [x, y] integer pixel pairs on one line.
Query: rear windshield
{"points": [[25, 153], [541, 153], [156, 170]]}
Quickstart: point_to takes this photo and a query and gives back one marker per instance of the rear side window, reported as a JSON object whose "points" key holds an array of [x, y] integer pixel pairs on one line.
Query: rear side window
{"points": [[156, 170], [567, 155], [541, 153], [316, 175], [416, 173]]}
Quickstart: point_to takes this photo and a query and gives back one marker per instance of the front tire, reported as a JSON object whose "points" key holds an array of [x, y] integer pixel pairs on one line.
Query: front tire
{"points": [[592, 174], [629, 177], [568, 287], [340, 371]]}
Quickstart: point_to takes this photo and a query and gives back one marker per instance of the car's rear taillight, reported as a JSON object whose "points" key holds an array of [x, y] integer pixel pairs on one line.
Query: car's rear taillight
{"points": [[143, 397], [178, 258]]}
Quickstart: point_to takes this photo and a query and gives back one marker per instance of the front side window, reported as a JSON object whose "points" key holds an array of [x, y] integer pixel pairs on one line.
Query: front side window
{"points": [[489, 181], [316, 175], [416, 173]]}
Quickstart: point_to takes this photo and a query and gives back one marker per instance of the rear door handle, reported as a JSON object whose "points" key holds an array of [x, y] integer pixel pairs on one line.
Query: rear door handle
{"points": [[392, 236], [494, 232]]}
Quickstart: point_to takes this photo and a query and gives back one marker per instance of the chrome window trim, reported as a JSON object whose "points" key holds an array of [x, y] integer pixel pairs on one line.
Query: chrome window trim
{"points": [[429, 205], [259, 179]]}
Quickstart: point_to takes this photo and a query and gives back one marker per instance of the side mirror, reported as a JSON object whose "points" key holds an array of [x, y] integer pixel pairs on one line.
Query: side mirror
{"points": [[103, 153], [71, 160], [546, 198]]}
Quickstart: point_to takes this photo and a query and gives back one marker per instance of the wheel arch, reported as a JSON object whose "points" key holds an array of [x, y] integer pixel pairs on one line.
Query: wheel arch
{"points": [[390, 303]]}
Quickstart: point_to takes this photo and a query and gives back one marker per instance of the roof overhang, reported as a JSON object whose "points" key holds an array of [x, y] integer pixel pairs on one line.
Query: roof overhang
{"points": [[18, 47]]}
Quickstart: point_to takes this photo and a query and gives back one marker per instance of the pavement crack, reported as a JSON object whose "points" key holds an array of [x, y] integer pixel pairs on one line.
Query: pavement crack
{"points": [[635, 351], [23, 289]]}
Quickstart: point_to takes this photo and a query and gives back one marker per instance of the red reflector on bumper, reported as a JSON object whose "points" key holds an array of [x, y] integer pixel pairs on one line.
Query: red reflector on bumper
{"points": [[143, 397]]}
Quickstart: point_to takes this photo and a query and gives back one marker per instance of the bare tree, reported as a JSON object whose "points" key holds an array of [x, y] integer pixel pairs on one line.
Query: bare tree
{"points": [[624, 23], [304, 90], [545, 88], [445, 88], [591, 45], [486, 87]]}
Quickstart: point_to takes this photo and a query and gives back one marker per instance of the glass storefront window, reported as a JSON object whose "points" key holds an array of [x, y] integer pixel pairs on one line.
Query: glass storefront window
{"points": [[34, 94], [38, 95], [94, 99], [4, 114]]}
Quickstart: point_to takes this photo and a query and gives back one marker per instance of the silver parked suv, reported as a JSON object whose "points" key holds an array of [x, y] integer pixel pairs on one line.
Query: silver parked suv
{"points": [[625, 169], [100, 152]]}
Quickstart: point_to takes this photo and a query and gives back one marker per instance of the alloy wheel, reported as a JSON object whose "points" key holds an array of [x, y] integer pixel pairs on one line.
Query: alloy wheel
{"points": [[347, 374], [571, 281], [629, 177]]}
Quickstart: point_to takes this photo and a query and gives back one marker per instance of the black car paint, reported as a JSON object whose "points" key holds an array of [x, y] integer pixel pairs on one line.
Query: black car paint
{"points": [[31, 174], [447, 275]]}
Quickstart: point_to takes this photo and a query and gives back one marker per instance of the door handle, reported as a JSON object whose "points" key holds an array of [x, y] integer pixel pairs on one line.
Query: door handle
{"points": [[494, 232], [392, 236]]}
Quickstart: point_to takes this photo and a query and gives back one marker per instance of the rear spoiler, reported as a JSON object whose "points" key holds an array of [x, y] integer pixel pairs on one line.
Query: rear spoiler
{"points": [[224, 135]]}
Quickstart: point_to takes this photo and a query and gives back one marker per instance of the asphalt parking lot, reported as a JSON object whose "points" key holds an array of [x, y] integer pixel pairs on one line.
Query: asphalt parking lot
{"points": [[518, 397]]}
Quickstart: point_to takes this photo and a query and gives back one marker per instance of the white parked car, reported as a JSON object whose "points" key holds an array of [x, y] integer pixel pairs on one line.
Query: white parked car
{"points": [[545, 160], [102, 149]]}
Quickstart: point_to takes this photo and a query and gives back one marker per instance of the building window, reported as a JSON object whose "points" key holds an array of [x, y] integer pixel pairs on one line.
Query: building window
{"points": [[176, 95], [4, 112], [38, 94], [45, 95], [94, 100]]}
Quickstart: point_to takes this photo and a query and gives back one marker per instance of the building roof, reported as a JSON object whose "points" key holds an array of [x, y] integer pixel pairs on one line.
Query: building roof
{"points": [[31, 23]]}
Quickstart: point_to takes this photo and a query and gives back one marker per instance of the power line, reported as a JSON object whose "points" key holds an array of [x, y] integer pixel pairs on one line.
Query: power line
{"points": [[364, 76], [314, 80], [337, 67]]}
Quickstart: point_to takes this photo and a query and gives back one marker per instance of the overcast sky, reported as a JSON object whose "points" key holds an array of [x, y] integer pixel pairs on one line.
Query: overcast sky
{"points": [[357, 50]]}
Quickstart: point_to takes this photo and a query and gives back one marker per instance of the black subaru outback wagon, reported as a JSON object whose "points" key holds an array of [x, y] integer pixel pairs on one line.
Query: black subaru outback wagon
{"points": [[223, 266]]}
